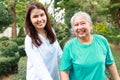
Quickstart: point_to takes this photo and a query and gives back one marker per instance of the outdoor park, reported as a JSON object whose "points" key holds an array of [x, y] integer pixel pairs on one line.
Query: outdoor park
{"points": [[105, 16]]}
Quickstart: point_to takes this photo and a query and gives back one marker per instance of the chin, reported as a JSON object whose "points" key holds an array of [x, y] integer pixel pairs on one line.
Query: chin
{"points": [[81, 36]]}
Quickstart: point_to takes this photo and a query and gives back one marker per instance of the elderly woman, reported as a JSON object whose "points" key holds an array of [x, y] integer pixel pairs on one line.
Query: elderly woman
{"points": [[86, 56]]}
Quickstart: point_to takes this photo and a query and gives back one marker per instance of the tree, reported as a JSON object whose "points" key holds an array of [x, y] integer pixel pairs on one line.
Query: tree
{"points": [[11, 4], [6, 16], [90, 6], [115, 11]]}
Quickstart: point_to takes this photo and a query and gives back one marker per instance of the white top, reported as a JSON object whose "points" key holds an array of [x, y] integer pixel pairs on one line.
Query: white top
{"points": [[42, 63]]}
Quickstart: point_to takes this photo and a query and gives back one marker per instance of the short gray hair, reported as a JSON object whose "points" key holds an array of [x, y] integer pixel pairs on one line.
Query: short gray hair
{"points": [[81, 13]]}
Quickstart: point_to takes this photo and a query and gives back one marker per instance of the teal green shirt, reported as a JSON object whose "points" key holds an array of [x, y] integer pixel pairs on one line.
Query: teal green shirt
{"points": [[86, 61]]}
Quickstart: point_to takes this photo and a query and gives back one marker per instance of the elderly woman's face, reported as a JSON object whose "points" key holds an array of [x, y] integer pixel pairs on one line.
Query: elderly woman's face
{"points": [[82, 28]]}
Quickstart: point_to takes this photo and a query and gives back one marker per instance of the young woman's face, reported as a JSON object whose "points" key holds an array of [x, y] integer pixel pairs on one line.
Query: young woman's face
{"points": [[38, 18], [82, 28]]}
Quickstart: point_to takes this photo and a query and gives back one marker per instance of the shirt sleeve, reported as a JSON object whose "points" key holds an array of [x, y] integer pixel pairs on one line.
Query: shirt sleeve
{"points": [[58, 50], [34, 56], [109, 56], [65, 62]]}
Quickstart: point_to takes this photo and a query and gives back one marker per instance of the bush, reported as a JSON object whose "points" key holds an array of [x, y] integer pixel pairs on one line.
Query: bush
{"points": [[4, 38], [21, 69], [22, 51], [63, 41], [19, 40], [21, 32], [9, 57], [8, 48], [8, 64], [102, 29]]}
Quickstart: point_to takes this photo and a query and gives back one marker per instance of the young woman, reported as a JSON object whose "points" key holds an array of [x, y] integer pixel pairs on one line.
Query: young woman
{"points": [[86, 56], [42, 48]]}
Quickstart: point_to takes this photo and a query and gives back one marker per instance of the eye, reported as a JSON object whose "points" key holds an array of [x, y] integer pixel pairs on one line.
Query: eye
{"points": [[42, 14], [83, 23], [76, 24], [34, 16]]}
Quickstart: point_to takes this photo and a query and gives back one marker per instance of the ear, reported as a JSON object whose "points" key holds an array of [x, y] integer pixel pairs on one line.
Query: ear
{"points": [[91, 26]]}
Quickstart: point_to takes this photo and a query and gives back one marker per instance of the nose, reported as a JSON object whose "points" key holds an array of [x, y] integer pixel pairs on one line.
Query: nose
{"points": [[79, 27], [39, 18]]}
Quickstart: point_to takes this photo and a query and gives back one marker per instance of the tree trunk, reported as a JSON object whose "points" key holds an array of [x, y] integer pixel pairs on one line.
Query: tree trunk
{"points": [[14, 30], [118, 18], [116, 13]]}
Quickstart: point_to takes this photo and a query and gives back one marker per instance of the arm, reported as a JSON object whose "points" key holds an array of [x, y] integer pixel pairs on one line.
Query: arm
{"points": [[58, 50], [110, 63], [34, 56], [113, 70], [64, 75]]}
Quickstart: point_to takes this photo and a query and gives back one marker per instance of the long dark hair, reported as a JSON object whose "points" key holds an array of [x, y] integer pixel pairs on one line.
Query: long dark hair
{"points": [[30, 29]]}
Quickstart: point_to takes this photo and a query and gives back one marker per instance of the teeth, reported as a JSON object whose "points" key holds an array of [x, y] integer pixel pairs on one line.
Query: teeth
{"points": [[80, 31], [83, 30]]}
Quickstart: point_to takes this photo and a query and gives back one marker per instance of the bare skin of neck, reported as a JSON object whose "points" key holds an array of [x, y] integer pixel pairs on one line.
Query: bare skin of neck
{"points": [[43, 33], [86, 40]]}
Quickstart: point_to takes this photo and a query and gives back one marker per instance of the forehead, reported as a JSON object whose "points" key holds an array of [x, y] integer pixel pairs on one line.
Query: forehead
{"points": [[37, 11], [79, 18]]}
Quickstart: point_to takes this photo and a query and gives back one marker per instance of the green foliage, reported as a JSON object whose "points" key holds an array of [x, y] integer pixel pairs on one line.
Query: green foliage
{"points": [[20, 12], [18, 40], [21, 69], [113, 35], [62, 33], [115, 5], [55, 2], [21, 32], [8, 65], [92, 7], [112, 12], [115, 39], [71, 6], [52, 20], [22, 51], [6, 16], [8, 48], [4, 38], [9, 56], [101, 28]]}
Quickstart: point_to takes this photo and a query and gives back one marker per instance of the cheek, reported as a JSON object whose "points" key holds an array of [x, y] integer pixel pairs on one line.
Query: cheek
{"points": [[32, 21], [75, 30]]}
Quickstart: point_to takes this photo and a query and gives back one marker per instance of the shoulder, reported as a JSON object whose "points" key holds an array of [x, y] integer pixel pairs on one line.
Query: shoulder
{"points": [[70, 42], [100, 37], [27, 39]]}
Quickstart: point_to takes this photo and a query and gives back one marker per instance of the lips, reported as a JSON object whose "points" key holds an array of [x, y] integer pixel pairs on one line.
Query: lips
{"points": [[81, 31], [40, 23]]}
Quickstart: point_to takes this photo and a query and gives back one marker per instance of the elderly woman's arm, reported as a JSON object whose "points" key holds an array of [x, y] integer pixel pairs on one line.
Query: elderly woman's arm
{"points": [[64, 75], [113, 70]]}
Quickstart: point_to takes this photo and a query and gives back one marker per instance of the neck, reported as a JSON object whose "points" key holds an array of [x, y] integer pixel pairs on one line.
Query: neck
{"points": [[86, 40], [43, 33]]}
